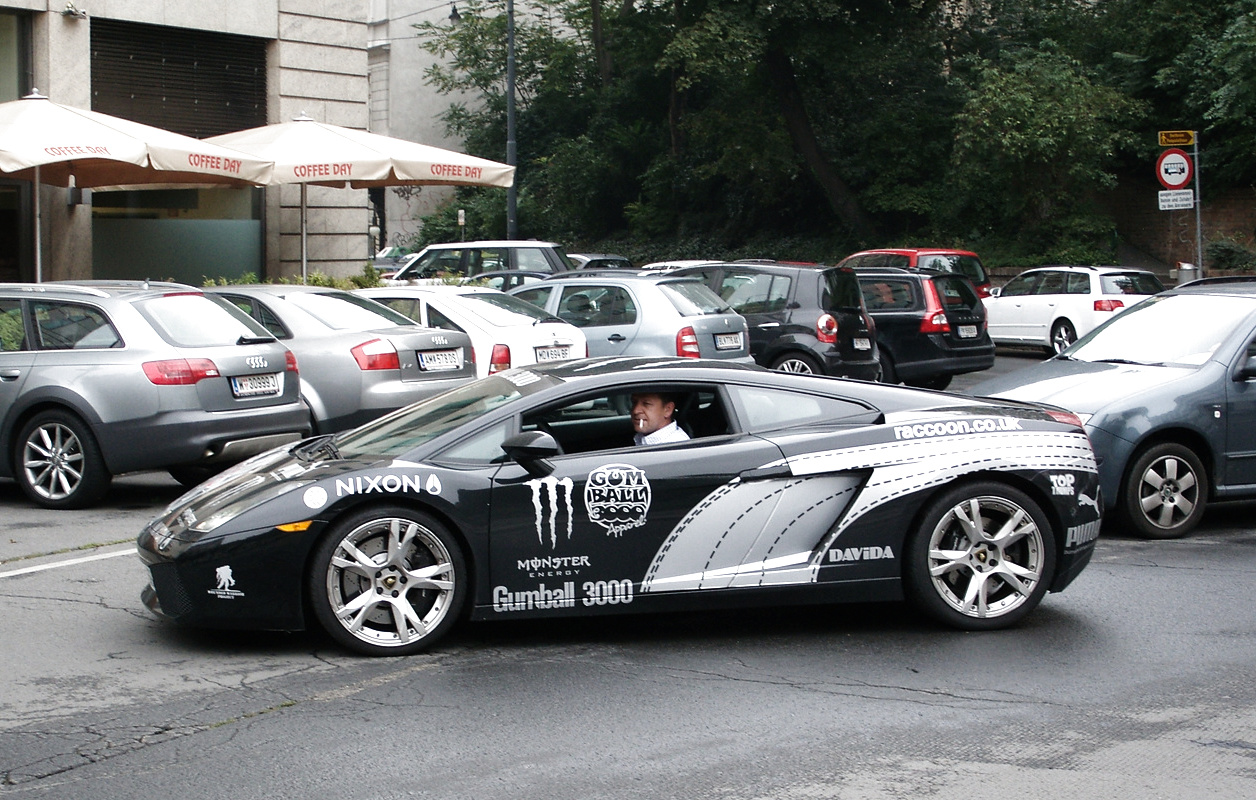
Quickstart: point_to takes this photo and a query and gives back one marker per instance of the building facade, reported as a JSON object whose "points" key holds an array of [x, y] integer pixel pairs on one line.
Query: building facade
{"points": [[200, 69]]}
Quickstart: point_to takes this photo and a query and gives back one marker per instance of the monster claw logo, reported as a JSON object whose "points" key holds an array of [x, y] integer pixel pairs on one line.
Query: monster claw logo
{"points": [[617, 497], [551, 486]]}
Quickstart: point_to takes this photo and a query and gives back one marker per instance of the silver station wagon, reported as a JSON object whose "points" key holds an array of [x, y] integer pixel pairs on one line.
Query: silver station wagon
{"points": [[103, 378]]}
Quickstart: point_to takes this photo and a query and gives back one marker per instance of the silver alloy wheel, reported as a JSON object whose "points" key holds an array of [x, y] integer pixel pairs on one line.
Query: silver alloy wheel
{"points": [[1168, 492], [1062, 335], [986, 556], [390, 582], [794, 364], [52, 460]]}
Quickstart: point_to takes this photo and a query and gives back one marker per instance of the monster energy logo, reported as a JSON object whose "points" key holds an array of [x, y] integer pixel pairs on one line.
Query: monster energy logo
{"points": [[549, 520]]}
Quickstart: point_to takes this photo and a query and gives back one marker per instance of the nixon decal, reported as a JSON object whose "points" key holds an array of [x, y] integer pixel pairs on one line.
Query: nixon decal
{"points": [[956, 427], [1082, 534], [1063, 484], [390, 483], [551, 486], [617, 497], [538, 598], [860, 554]]}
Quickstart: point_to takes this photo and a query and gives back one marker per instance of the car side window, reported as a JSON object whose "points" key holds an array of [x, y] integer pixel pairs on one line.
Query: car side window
{"points": [[604, 421], [406, 306], [486, 260], [615, 307], [888, 295], [69, 326], [12, 329], [1052, 283], [262, 314], [532, 258], [767, 409], [435, 319], [1021, 285], [1078, 283], [537, 297], [755, 293]]}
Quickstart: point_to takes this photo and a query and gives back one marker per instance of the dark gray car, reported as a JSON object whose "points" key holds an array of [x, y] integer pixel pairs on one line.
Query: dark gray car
{"points": [[98, 379], [1167, 390], [359, 358]]}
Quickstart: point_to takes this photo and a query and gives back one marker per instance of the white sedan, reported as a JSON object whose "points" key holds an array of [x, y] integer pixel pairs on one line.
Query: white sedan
{"points": [[1053, 306], [505, 331]]}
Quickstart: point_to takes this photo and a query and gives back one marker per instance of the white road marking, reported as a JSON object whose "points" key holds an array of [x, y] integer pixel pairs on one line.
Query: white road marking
{"points": [[67, 563]]}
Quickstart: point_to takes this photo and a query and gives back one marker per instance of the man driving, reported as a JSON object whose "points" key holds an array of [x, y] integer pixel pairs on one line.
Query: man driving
{"points": [[652, 419]]}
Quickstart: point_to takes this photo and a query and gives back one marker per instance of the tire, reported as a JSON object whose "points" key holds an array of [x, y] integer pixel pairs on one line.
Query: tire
{"points": [[799, 363], [1063, 334], [1165, 492], [58, 463], [935, 382], [387, 581], [888, 373], [189, 475], [964, 567]]}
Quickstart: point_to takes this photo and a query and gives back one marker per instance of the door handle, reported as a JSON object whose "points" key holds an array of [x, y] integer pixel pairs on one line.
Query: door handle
{"points": [[616, 337], [10, 374]]}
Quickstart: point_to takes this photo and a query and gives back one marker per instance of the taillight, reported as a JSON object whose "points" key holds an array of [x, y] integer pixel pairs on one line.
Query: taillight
{"points": [[826, 329], [687, 343], [290, 361], [983, 290], [935, 320], [500, 360], [376, 354], [180, 371], [1108, 305]]}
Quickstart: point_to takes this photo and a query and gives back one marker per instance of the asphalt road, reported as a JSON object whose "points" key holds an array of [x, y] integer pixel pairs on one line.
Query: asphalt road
{"points": [[1137, 682]]}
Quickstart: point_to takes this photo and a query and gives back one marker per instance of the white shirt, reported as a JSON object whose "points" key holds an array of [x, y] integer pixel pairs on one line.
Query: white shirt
{"points": [[669, 433]]}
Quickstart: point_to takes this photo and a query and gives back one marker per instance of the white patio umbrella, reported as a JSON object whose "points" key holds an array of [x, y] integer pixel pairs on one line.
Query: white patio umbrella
{"points": [[305, 152], [47, 142]]}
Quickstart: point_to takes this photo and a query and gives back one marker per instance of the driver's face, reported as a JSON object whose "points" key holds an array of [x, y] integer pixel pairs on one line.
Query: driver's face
{"points": [[650, 413]]}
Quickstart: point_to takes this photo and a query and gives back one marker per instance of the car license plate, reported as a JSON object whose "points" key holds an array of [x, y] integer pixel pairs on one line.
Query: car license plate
{"points": [[440, 360], [863, 344], [728, 341], [544, 354], [968, 331], [254, 385]]}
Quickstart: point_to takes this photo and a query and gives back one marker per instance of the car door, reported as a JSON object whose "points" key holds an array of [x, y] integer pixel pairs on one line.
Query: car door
{"points": [[1041, 308], [763, 299], [1005, 314], [1240, 449], [16, 354], [609, 315], [608, 524]]}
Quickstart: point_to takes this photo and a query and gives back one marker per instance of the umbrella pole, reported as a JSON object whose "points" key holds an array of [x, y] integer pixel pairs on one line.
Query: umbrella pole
{"points": [[303, 250], [39, 255]]}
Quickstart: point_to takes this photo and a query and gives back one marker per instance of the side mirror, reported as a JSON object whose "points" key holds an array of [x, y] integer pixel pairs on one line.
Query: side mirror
{"points": [[996, 291], [530, 449]]}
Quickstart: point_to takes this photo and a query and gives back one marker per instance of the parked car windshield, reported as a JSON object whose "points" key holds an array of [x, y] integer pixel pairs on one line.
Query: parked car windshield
{"points": [[1131, 283], [401, 431], [1182, 329], [194, 320], [344, 311], [691, 299]]}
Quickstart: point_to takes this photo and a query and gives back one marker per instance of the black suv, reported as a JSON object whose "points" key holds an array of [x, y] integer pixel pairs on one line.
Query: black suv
{"points": [[802, 318], [930, 325]]}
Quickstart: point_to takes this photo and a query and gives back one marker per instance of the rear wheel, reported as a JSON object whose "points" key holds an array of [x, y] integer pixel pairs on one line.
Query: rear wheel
{"points": [[981, 558], [1165, 493], [888, 375], [938, 382], [387, 581], [800, 363], [59, 463], [1063, 334]]}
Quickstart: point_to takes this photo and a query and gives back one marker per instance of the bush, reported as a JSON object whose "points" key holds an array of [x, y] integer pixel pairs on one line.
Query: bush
{"points": [[1229, 254]]}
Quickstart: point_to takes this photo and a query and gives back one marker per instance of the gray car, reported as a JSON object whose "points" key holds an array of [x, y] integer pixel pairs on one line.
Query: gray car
{"points": [[644, 315], [1167, 391], [359, 359], [99, 379]]}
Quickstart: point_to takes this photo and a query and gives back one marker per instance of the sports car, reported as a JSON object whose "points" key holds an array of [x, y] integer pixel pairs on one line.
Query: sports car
{"points": [[522, 495]]}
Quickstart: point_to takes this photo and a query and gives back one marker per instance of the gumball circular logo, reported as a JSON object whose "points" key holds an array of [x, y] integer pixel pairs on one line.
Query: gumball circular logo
{"points": [[617, 497]]}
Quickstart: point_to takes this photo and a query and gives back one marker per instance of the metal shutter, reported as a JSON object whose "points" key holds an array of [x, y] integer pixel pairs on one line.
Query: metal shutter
{"points": [[193, 82]]}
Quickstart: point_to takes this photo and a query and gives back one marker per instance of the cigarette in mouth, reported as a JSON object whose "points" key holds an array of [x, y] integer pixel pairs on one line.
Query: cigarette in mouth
{"points": [[640, 423]]}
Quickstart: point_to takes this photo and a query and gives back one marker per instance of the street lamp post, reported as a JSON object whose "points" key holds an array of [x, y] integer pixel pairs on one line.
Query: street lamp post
{"points": [[512, 222]]}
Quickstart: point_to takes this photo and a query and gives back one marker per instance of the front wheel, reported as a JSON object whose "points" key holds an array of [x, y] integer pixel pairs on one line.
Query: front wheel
{"points": [[387, 581], [59, 464], [981, 558], [798, 363], [1165, 492]]}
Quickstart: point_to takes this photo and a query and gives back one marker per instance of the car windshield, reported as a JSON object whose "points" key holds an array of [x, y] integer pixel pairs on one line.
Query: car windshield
{"points": [[194, 320], [502, 309], [401, 431], [1183, 329], [1131, 283], [691, 299], [344, 311]]}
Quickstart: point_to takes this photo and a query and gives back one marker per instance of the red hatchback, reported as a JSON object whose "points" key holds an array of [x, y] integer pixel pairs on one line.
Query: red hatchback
{"points": [[964, 262]]}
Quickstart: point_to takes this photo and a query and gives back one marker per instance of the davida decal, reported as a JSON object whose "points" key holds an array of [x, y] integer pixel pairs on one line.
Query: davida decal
{"points": [[617, 497]]}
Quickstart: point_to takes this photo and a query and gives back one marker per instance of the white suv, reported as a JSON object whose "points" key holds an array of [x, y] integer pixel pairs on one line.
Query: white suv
{"points": [[1053, 306], [468, 259]]}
